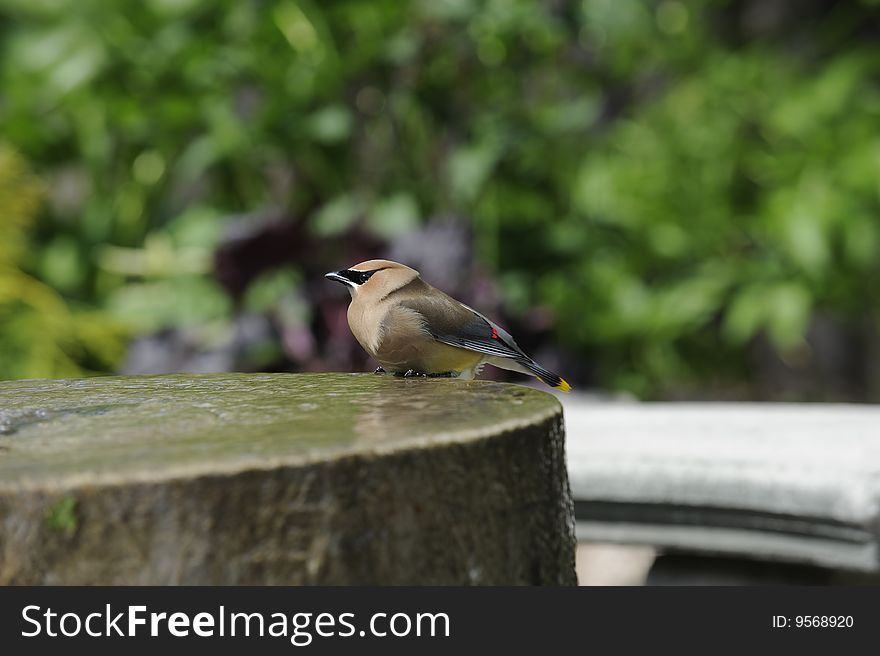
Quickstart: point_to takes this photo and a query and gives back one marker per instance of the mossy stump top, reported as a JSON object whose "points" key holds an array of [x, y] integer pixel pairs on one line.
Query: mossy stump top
{"points": [[282, 479]]}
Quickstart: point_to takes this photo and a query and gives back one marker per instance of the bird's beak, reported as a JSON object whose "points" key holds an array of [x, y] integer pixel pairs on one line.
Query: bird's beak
{"points": [[338, 277]]}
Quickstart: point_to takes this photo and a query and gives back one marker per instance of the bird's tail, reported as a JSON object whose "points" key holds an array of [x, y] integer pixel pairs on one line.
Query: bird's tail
{"points": [[553, 380], [528, 366]]}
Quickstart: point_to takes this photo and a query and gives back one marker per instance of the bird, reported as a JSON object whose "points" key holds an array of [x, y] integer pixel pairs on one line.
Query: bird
{"points": [[414, 329]]}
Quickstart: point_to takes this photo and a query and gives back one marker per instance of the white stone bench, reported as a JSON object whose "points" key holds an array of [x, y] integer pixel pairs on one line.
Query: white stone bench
{"points": [[777, 482]]}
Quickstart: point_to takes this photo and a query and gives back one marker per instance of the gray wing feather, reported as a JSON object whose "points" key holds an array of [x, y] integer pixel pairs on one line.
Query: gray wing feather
{"points": [[452, 322], [476, 334]]}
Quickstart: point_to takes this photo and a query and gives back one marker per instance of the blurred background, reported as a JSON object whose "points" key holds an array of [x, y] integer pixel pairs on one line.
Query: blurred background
{"points": [[672, 199]]}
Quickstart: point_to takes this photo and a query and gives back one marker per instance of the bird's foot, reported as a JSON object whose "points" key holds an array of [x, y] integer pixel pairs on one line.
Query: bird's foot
{"points": [[409, 373], [379, 370]]}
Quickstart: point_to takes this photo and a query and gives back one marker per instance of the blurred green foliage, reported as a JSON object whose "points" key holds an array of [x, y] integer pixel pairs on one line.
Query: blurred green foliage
{"points": [[40, 334], [670, 178]]}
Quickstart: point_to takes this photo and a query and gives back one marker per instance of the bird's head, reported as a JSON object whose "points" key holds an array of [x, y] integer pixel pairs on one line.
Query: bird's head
{"points": [[374, 278]]}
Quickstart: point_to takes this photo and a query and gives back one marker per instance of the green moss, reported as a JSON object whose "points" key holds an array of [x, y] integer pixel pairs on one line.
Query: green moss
{"points": [[118, 427], [61, 516]]}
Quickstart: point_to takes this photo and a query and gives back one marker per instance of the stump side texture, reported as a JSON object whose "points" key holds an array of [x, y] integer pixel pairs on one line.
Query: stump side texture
{"points": [[288, 479]]}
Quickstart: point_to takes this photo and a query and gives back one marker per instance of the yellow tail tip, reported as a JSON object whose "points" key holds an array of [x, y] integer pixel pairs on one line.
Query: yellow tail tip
{"points": [[563, 385]]}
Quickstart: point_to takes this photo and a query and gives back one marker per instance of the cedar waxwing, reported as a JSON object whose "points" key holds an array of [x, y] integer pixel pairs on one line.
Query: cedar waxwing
{"points": [[413, 329]]}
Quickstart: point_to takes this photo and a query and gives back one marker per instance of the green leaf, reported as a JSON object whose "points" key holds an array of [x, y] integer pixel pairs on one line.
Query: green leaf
{"points": [[394, 216], [782, 308], [337, 216], [267, 290], [470, 167], [789, 306], [331, 124]]}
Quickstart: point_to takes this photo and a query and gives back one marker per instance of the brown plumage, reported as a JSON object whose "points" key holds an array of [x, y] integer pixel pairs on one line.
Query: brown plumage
{"points": [[411, 328]]}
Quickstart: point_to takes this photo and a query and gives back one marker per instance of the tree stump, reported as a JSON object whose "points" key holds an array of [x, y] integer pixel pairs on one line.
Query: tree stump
{"points": [[286, 479]]}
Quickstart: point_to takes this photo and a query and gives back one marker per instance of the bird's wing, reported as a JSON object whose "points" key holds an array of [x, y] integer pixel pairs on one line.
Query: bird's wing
{"points": [[454, 323]]}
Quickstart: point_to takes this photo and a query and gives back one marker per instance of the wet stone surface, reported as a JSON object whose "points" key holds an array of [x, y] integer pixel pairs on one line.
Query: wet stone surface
{"points": [[287, 479]]}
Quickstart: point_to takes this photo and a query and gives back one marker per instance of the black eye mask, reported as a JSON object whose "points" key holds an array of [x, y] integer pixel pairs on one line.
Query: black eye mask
{"points": [[359, 277]]}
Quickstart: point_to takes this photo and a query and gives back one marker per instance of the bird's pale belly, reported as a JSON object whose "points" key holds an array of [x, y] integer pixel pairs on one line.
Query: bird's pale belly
{"points": [[408, 346], [439, 358]]}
